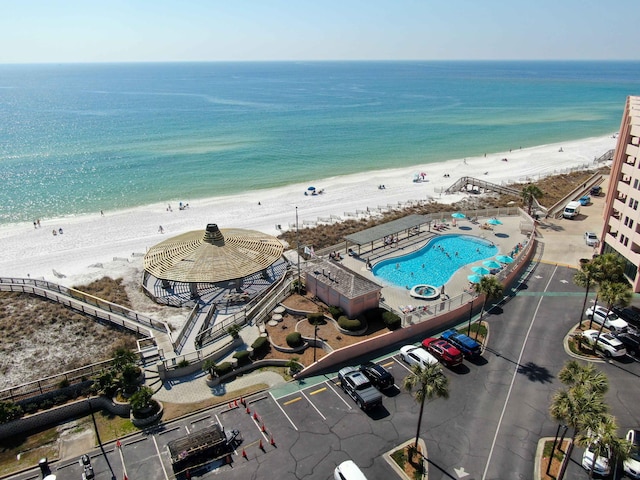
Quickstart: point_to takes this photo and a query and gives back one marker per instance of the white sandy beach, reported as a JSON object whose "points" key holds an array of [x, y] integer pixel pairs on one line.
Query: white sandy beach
{"points": [[90, 243]]}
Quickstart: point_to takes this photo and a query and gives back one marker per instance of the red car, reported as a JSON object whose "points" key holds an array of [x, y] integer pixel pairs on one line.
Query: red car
{"points": [[443, 351]]}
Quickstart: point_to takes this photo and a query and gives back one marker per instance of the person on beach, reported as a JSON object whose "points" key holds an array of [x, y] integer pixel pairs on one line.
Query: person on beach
{"points": [[54, 232], [60, 231], [160, 229], [35, 224]]}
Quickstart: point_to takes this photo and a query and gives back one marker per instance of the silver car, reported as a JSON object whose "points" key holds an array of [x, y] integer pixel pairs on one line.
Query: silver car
{"points": [[591, 239]]}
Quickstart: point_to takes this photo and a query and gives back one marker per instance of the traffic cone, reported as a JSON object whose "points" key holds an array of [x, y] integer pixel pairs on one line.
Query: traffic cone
{"points": [[263, 428], [244, 454], [125, 477], [243, 402], [260, 446], [248, 411], [255, 416], [272, 441], [235, 402], [118, 444], [188, 475]]}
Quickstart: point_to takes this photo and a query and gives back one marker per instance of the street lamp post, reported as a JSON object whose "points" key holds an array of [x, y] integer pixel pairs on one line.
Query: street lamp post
{"points": [[299, 289], [470, 317], [315, 339]]}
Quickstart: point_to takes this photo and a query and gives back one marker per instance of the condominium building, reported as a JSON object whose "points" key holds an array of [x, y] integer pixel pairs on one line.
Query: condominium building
{"points": [[621, 231]]}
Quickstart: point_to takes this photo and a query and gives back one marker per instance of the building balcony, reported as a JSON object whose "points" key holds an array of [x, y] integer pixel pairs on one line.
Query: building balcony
{"points": [[632, 150]]}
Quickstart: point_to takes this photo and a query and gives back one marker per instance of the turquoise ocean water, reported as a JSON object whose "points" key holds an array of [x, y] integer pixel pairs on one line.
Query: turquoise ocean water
{"points": [[81, 138]]}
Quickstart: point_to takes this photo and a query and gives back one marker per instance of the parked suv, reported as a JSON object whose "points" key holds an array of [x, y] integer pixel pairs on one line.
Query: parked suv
{"points": [[417, 356], [632, 464], [631, 342], [443, 351], [357, 386], [378, 375], [609, 345], [607, 317], [630, 314], [467, 345]]}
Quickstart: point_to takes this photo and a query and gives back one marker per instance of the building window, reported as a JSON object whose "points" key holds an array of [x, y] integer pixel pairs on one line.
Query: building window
{"points": [[630, 202], [635, 204], [622, 238], [635, 184], [626, 221], [626, 242], [630, 223]]}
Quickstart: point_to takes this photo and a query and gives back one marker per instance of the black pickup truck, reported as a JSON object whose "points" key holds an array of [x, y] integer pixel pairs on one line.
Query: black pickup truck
{"points": [[357, 386]]}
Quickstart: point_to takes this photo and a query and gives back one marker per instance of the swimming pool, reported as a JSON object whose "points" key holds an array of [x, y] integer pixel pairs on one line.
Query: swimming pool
{"points": [[436, 262]]}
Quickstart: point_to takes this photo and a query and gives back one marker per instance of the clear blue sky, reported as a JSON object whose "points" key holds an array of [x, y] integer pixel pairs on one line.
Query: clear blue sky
{"points": [[34, 31]]}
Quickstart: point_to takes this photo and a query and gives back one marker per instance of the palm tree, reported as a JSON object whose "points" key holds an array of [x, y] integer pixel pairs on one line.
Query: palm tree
{"points": [[574, 373], [602, 434], [576, 407], [529, 194], [122, 357], [431, 382], [586, 278], [613, 293], [491, 287]]}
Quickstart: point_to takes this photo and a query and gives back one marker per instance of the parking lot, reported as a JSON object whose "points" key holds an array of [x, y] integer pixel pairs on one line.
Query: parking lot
{"points": [[488, 428]]}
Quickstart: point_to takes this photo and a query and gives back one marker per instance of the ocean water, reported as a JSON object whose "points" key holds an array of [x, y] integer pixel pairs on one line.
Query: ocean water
{"points": [[89, 137]]}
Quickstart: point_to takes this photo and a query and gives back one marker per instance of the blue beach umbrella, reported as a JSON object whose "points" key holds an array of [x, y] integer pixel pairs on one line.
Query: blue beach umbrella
{"points": [[494, 221], [491, 264], [474, 278], [504, 258], [480, 270], [458, 215], [311, 189]]}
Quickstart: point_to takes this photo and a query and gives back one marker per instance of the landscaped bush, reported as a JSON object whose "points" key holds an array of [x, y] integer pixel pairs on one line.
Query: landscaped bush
{"points": [[391, 320], [9, 411], [242, 356], [260, 345], [294, 339], [223, 368], [183, 363], [141, 401], [335, 312], [351, 324], [316, 318]]}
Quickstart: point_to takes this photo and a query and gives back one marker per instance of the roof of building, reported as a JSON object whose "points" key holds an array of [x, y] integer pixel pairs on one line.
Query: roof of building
{"points": [[213, 255], [342, 280], [390, 228]]}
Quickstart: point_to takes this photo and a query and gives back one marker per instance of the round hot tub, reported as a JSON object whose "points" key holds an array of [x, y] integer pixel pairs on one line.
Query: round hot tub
{"points": [[425, 292]]}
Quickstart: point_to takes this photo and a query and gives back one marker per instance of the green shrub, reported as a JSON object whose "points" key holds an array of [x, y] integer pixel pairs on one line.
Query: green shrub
{"points": [[46, 404], [223, 368], [130, 374], [183, 363], [234, 331], [316, 318], [391, 320], [31, 407], [350, 324], [294, 339], [9, 411], [209, 366], [64, 383], [261, 344], [141, 399], [335, 312], [242, 356]]}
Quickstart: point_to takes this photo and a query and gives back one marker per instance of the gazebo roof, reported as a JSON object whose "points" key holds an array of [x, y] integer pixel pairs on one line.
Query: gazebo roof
{"points": [[213, 255]]}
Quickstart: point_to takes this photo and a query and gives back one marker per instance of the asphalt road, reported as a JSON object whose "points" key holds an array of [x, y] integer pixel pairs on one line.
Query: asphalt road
{"points": [[487, 429]]}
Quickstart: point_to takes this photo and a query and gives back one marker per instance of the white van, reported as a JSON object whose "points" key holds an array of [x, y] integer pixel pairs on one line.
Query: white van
{"points": [[348, 470], [571, 210]]}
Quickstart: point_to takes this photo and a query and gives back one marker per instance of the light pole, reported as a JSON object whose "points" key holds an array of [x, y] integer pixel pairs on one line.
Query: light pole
{"points": [[470, 317], [298, 252], [315, 340]]}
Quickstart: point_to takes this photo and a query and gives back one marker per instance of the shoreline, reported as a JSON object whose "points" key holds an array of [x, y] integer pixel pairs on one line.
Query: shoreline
{"points": [[90, 242]]}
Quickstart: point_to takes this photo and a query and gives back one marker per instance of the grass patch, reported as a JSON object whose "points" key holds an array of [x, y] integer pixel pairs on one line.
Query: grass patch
{"points": [[30, 448], [413, 469], [556, 461], [110, 426], [282, 371]]}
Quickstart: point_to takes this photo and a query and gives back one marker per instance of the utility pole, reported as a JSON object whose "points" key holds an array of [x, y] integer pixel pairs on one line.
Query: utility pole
{"points": [[299, 288]]}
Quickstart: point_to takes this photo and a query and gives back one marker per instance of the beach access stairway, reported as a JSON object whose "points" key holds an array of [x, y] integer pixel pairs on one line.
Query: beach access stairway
{"points": [[155, 336], [481, 186]]}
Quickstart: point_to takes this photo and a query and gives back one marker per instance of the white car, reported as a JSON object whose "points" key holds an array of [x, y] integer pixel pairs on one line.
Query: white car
{"points": [[348, 470], [417, 356], [607, 343], [601, 467], [632, 464], [611, 320], [591, 239]]}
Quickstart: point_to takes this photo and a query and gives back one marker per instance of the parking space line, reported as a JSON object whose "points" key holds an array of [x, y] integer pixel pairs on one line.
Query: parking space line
{"points": [[160, 457], [170, 430], [218, 420], [318, 391], [133, 442], [338, 395], [293, 400], [200, 419], [408, 368], [124, 467], [316, 408], [187, 429], [284, 413], [388, 364]]}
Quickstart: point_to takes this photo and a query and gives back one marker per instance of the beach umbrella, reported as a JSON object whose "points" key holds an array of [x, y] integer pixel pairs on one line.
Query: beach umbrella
{"points": [[458, 215], [494, 221], [491, 264], [474, 278], [480, 270], [504, 258], [311, 189]]}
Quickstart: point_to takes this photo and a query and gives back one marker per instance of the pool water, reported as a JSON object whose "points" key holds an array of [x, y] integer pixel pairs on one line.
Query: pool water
{"points": [[436, 262]]}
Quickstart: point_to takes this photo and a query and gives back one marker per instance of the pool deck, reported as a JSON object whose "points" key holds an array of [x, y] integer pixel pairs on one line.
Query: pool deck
{"points": [[505, 237]]}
